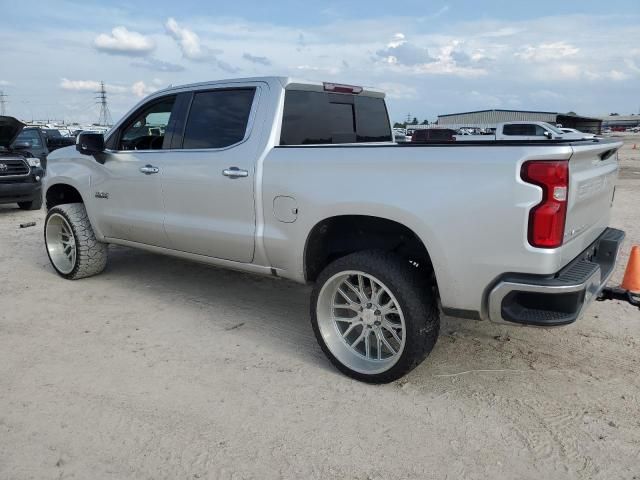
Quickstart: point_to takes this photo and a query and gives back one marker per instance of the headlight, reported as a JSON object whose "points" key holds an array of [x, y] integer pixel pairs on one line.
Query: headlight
{"points": [[33, 162]]}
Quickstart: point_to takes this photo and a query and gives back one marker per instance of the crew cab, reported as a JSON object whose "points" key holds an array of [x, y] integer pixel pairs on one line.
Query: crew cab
{"points": [[303, 181], [20, 172], [527, 131]]}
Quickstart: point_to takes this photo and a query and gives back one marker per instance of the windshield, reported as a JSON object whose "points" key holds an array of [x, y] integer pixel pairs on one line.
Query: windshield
{"points": [[553, 129], [30, 136]]}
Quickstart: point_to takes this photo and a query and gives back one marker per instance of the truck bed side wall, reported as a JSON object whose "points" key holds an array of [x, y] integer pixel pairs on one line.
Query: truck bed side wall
{"points": [[471, 213]]}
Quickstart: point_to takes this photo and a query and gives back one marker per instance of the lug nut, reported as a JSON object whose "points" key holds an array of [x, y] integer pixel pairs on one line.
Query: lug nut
{"points": [[377, 312], [368, 305]]}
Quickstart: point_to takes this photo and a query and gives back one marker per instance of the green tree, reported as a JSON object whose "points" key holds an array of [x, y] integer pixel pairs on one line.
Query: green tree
{"points": [[414, 121]]}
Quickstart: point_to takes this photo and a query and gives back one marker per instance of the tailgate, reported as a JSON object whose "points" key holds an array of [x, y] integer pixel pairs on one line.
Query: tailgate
{"points": [[593, 170]]}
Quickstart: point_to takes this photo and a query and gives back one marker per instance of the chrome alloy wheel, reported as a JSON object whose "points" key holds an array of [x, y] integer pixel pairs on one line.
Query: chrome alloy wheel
{"points": [[361, 322], [61, 243]]}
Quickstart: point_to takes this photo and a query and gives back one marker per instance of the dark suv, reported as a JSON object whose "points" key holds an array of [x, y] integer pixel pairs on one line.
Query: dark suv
{"points": [[20, 172]]}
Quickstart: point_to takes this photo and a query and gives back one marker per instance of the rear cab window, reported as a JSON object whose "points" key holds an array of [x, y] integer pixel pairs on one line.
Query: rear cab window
{"points": [[312, 118]]}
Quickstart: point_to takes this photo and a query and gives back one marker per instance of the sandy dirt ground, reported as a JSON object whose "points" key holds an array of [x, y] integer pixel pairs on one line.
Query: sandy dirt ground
{"points": [[164, 369]]}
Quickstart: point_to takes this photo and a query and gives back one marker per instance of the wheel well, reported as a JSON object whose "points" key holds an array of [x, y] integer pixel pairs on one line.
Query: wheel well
{"points": [[62, 193], [338, 236]]}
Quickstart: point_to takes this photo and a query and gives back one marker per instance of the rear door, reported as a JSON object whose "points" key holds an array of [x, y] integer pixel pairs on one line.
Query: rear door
{"points": [[208, 183]]}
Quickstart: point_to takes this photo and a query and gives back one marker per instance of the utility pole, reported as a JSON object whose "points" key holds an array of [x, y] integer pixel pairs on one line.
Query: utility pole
{"points": [[105, 114], [3, 103]]}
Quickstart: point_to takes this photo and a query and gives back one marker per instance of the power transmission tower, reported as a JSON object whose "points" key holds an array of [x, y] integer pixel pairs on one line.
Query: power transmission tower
{"points": [[3, 103], [408, 118], [105, 114]]}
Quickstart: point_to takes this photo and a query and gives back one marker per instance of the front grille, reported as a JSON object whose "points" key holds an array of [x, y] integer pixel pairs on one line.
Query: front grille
{"points": [[13, 167]]}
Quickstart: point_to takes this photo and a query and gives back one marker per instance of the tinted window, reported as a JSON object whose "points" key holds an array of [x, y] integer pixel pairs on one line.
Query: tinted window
{"points": [[218, 118], [146, 128], [524, 129], [372, 120], [320, 118]]}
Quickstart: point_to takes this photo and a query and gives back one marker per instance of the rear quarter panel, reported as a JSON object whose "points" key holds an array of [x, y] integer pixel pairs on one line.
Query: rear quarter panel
{"points": [[467, 204]]}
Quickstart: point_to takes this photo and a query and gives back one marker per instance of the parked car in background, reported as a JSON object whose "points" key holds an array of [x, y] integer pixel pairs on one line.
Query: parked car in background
{"points": [[56, 140], [20, 172], [526, 131], [302, 180], [34, 140], [573, 131], [432, 135]]}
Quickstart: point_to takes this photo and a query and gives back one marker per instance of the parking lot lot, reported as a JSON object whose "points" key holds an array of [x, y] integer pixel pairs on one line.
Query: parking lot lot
{"points": [[161, 368]]}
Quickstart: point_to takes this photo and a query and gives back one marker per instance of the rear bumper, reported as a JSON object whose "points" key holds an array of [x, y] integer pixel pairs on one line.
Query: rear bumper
{"points": [[557, 299]]}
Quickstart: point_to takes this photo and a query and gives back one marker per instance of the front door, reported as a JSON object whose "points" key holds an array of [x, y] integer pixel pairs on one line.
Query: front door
{"points": [[129, 189], [208, 184]]}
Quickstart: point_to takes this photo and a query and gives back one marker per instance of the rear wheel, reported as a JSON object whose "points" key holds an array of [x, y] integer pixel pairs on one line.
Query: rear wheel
{"points": [[374, 317], [71, 244]]}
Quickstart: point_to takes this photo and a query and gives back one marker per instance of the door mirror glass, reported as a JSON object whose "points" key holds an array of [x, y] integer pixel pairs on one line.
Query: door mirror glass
{"points": [[90, 143]]}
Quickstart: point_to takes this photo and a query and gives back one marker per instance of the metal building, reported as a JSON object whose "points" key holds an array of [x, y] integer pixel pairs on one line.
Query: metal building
{"points": [[489, 119], [621, 121]]}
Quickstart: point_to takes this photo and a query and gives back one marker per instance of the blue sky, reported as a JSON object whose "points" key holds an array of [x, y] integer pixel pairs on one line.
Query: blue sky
{"points": [[431, 57]]}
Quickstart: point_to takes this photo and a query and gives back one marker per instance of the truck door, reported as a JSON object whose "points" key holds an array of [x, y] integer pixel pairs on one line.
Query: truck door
{"points": [[208, 182], [127, 194]]}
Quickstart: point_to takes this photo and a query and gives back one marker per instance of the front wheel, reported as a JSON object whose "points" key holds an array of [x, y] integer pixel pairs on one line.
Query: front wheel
{"points": [[71, 244], [374, 317]]}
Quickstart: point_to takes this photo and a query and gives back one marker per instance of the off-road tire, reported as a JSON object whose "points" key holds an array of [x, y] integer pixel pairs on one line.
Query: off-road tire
{"points": [[416, 294], [91, 255]]}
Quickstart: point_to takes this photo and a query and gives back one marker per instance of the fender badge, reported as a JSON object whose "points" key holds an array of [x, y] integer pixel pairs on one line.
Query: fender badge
{"points": [[102, 195]]}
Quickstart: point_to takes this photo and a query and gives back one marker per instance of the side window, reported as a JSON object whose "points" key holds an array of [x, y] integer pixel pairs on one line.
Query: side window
{"points": [[521, 129], [146, 129], [218, 118], [319, 118], [539, 131]]}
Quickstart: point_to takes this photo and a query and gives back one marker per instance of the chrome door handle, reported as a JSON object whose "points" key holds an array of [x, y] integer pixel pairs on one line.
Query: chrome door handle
{"points": [[149, 169], [235, 172]]}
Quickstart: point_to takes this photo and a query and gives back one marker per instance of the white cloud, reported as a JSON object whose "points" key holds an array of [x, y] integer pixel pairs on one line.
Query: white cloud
{"points": [[256, 59], [124, 42], [188, 41], [5, 83], [140, 89], [400, 51], [157, 65], [79, 85], [547, 51]]}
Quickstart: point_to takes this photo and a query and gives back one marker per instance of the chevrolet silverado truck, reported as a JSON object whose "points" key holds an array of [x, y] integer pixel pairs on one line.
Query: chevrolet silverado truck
{"points": [[302, 181], [20, 172]]}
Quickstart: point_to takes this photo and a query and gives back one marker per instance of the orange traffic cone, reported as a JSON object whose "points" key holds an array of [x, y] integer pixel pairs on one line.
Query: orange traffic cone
{"points": [[631, 280]]}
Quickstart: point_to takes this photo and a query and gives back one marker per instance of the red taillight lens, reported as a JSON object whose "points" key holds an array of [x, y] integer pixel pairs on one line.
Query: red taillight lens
{"points": [[547, 219]]}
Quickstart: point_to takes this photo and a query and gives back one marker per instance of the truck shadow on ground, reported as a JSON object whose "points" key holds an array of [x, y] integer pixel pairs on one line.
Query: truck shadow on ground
{"points": [[275, 309]]}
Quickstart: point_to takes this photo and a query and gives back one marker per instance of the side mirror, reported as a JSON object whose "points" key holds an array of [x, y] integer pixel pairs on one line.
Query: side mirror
{"points": [[548, 134], [90, 143], [21, 145]]}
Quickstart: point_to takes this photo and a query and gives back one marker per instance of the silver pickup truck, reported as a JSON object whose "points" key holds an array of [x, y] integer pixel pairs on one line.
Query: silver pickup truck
{"points": [[302, 180]]}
